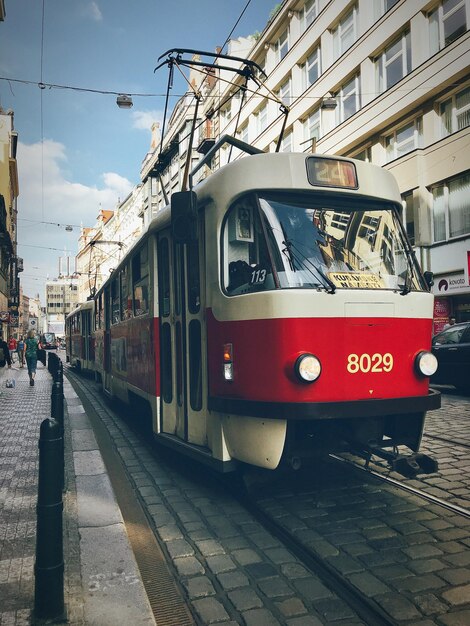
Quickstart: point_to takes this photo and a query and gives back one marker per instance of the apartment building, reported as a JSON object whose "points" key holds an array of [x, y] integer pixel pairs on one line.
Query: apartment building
{"points": [[10, 265]]}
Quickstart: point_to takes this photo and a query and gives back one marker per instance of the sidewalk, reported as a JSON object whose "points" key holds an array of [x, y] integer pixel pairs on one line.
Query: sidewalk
{"points": [[102, 585]]}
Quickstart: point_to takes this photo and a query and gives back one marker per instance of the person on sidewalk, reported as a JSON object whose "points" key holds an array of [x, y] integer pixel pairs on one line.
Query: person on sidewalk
{"points": [[20, 351], [31, 353], [12, 348], [4, 353]]}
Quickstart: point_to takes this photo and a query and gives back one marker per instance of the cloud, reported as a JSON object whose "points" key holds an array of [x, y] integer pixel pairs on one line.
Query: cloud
{"points": [[91, 11], [48, 195], [143, 120]]}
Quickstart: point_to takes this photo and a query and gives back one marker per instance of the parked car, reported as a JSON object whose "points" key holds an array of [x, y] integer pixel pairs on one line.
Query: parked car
{"points": [[452, 350]]}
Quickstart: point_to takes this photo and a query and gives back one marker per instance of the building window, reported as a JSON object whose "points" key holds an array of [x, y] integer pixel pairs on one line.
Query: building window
{"points": [[286, 143], [285, 92], [455, 112], [408, 216], [394, 63], [312, 126], [262, 119], [243, 133], [404, 140], [348, 99], [446, 23], [281, 47], [451, 208], [382, 6], [345, 34], [311, 68], [364, 155], [309, 13]]}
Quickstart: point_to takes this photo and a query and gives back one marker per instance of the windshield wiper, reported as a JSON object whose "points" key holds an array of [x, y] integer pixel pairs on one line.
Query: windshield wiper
{"points": [[408, 277], [303, 259]]}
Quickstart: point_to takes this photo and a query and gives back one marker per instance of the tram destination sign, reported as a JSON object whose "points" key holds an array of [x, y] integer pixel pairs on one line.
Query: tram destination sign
{"points": [[331, 173]]}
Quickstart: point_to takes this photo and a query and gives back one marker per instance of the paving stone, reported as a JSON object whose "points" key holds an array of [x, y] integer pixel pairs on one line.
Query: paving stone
{"points": [[179, 548], [261, 570], [199, 587], [459, 618], [307, 620], [260, 617], [233, 580], [245, 598], [458, 595], [429, 604], [220, 563], [368, 584], [291, 607], [210, 610], [188, 566], [398, 607], [275, 587], [456, 576]]}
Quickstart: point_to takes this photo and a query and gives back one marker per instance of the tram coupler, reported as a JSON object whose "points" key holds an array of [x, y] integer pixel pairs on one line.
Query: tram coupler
{"points": [[408, 465]]}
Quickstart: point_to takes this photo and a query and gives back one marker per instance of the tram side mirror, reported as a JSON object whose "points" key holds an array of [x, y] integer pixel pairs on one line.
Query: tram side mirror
{"points": [[184, 216], [429, 278]]}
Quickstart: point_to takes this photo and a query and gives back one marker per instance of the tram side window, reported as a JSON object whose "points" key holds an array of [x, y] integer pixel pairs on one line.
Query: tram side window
{"points": [[194, 286], [126, 294], [164, 277], [115, 317], [247, 266], [140, 280], [99, 311]]}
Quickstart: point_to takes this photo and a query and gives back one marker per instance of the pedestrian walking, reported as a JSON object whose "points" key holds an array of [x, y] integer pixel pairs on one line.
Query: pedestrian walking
{"points": [[20, 351], [31, 353], [12, 348], [4, 353]]}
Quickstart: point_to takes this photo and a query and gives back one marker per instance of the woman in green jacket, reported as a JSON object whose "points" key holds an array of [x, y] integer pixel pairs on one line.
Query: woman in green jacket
{"points": [[31, 353]]}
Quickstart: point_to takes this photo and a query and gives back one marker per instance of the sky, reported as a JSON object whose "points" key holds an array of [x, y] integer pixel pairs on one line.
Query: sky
{"points": [[78, 152]]}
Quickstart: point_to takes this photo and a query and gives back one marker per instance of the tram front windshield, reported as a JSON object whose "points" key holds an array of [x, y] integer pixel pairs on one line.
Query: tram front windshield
{"points": [[280, 242]]}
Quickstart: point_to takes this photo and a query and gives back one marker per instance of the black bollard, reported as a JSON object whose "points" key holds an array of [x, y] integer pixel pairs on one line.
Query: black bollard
{"points": [[49, 565], [57, 403]]}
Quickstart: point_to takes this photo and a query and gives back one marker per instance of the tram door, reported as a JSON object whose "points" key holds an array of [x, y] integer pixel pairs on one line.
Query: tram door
{"points": [[86, 333], [182, 336], [107, 341]]}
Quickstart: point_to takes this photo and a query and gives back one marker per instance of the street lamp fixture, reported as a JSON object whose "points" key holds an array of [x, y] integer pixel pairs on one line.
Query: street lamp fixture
{"points": [[124, 102]]}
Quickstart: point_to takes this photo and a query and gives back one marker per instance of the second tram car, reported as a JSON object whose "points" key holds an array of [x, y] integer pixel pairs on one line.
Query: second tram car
{"points": [[79, 343], [273, 313]]}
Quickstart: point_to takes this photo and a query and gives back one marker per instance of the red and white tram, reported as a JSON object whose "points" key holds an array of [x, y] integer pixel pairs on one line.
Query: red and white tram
{"points": [[273, 313], [79, 344]]}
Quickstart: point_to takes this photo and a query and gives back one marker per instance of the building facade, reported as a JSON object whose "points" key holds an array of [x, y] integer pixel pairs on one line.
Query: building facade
{"points": [[61, 299], [10, 265]]}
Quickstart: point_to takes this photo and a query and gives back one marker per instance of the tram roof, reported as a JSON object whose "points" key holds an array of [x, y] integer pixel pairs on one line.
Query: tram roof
{"points": [[288, 171]]}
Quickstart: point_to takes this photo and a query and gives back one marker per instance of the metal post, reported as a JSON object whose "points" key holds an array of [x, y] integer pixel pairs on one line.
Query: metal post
{"points": [[49, 565]]}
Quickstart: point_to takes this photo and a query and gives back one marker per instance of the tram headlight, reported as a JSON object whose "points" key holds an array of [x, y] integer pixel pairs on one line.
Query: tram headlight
{"points": [[307, 368], [426, 363]]}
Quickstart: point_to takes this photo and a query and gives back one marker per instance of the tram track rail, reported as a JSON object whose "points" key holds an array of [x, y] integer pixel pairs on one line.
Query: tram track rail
{"points": [[365, 608], [454, 442], [453, 508]]}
